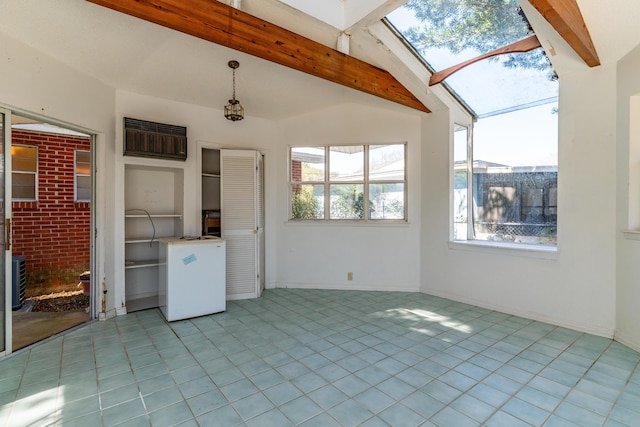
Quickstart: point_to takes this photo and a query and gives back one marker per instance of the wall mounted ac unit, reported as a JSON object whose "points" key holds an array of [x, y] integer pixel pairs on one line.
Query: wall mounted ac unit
{"points": [[157, 140]]}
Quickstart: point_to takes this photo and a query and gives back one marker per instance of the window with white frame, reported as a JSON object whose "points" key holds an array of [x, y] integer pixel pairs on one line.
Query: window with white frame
{"points": [[460, 183], [348, 182], [83, 176], [24, 174], [505, 178]]}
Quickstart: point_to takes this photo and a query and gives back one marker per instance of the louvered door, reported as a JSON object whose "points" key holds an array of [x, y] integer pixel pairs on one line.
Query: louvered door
{"points": [[241, 208], [260, 219]]}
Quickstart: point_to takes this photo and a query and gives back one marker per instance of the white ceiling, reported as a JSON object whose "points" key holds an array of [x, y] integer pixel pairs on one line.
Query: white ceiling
{"points": [[613, 26], [134, 55]]}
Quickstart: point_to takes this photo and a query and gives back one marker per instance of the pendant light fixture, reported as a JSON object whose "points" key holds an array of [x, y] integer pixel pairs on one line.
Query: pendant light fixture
{"points": [[233, 110]]}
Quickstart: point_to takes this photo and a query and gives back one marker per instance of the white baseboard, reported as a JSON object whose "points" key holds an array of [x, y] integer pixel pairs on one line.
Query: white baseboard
{"points": [[235, 297], [348, 287], [108, 314], [627, 340]]}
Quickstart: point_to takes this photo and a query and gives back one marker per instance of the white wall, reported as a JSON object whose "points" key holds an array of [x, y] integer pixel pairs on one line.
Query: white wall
{"points": [[319, 255], [628, 206], [576, 287], [34, 83]]}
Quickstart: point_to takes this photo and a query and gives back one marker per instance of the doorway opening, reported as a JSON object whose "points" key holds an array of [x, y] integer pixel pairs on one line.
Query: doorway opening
{"points": [[51, 187]]}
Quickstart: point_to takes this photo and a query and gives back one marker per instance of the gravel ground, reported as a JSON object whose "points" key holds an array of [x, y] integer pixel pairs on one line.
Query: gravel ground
{"points": [[60, 301]]}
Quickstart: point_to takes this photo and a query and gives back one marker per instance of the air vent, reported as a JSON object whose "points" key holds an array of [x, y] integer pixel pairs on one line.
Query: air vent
{"points": [[157, 140], [19, 280]]}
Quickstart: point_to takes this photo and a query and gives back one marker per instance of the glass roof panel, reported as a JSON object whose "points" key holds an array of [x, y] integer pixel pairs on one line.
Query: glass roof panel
{"points": [[448, 32]]}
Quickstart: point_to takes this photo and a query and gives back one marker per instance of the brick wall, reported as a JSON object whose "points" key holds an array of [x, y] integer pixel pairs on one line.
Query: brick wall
{"points": [[296, 170], [53, 233]]}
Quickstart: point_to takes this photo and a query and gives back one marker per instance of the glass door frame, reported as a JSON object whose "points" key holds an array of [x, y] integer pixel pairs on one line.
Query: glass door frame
{"points": [[7, 112], [6, 236]]}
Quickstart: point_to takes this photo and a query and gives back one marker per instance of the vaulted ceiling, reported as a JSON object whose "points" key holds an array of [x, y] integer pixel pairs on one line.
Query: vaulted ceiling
{"points": [[131, 54]]}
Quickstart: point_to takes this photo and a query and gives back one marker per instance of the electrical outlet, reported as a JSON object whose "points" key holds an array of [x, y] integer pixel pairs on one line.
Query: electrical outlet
{"points": [[350, 275]]}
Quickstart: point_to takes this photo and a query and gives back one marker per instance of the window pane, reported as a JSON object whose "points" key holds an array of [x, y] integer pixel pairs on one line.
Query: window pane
{"points": [[307, 164], [23, 186], [24, 152], [83, 156], [23, 179], [20, 164], [24, 193], [460, 135], [386, 162], [83, 191], [83, 169], [515, 176], [83, 162], [346, 163], [387, 201], [24, 159], [347, 201], [307, 201]]}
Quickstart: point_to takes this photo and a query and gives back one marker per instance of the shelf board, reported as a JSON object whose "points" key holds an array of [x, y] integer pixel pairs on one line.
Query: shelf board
{"points": [[632, 234], [141, 241], [210, 175], [142, 264]]}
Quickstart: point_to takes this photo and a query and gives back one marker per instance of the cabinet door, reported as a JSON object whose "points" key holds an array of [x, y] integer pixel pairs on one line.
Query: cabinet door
{"points": [[240, 226]]}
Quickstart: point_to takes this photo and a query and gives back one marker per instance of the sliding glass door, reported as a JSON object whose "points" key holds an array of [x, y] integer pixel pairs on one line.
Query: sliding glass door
{"points": [[5, 234]]}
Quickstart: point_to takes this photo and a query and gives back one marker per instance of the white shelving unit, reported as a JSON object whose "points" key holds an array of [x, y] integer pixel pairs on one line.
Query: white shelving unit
{"points": [[153, 209]]}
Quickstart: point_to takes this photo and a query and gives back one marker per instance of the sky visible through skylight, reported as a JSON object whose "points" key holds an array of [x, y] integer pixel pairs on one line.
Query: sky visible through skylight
{"points": [[490, 89]]}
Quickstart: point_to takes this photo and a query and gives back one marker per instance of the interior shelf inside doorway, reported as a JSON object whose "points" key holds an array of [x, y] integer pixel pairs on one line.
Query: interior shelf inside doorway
{"points": [[153, 209], [211, 192]]}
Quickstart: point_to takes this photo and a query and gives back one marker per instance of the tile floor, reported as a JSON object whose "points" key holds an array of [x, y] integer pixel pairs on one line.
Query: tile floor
{"points": [[324, 358]]}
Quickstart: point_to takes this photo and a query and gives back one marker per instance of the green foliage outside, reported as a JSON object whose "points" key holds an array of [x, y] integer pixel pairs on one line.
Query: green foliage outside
{"points": [[349, 203], [304, 204], [483, 26]]}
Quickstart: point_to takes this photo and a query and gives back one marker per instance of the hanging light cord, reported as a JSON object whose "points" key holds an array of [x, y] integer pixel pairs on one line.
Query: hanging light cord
{"points": [[234, 84]]}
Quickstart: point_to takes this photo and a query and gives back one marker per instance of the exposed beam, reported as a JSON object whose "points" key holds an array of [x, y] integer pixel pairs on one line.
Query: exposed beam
{"points": [[362, 13], [218, 23], [524, 45], [565, 17]]}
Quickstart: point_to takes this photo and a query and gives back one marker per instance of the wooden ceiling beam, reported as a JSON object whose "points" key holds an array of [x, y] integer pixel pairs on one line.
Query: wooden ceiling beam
{"points": [[230, 27], [566, 18], [524, 45]]}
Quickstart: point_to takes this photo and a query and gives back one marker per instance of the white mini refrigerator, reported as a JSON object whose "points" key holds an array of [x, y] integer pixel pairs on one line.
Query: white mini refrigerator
{"points": [[192, 277]]}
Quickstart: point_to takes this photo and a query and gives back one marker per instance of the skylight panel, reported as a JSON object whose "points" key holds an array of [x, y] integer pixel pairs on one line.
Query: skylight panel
{"points": [[449, 32]]}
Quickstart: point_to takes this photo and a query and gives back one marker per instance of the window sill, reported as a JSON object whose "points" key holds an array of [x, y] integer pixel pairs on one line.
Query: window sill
{"points": [[349, 223], [511, 249], [631, 234]]}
